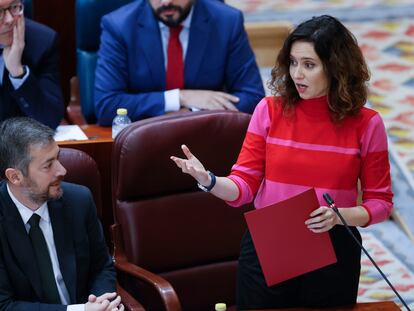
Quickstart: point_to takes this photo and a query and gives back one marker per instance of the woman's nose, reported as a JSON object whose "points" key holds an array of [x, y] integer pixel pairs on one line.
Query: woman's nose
{"points": [[298, 73]]}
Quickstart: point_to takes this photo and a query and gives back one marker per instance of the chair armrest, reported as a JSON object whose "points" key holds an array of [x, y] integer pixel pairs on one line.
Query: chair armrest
{"points": [[129, 302], [162, 287], [74, 110]]}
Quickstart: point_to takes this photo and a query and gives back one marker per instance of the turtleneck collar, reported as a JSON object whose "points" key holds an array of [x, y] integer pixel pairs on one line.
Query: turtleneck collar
{"points": [[314, 107]]}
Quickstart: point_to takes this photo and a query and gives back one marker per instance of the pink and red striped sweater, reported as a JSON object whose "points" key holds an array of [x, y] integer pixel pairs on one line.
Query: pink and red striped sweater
{"points": [[283, 156]]}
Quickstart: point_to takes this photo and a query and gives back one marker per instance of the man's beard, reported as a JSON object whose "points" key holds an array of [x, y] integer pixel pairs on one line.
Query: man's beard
{"points": [[39, 197], [169, 21]]}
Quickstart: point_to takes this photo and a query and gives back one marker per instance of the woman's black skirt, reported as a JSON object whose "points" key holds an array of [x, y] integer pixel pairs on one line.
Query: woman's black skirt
{"points": [[331, 286]]}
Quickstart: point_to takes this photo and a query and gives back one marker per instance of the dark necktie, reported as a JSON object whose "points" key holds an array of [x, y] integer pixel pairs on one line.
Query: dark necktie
{"points": [[44, 263], [175, 63]]}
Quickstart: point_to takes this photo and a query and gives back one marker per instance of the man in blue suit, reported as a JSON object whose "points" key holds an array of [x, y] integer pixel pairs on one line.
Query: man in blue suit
{"points": [[29, 79], [218, 69], [53, 255]]}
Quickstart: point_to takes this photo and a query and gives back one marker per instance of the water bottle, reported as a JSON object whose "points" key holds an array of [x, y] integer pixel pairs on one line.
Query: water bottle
{"points": [[120, 121], [220, 307]]}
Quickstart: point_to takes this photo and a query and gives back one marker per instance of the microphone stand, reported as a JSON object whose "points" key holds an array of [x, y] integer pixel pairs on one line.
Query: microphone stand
{"points": [[332, 205]]}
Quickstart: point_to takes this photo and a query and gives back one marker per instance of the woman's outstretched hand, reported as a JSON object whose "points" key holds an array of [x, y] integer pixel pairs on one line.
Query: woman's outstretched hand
{"points": [[224, 188], [192, 166]]}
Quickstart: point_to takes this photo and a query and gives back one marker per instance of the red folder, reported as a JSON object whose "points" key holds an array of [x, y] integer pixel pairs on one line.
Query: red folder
{"points": [[285, 246]]}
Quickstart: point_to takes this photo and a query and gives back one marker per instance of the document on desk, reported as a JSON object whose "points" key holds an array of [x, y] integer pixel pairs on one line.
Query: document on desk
{"points": [[69, 132], [285, 246]]}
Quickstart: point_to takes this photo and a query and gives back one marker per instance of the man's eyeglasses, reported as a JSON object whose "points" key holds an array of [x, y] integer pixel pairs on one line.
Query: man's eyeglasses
{"points": [[15, 10]]}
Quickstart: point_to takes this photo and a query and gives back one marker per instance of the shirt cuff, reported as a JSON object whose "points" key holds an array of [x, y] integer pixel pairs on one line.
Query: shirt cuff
{"points": [[80, 307], [18, 82], [172, 100]]}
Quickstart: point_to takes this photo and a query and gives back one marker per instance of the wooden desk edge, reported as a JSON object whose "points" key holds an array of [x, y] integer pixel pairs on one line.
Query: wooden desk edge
{"points": [[95, 133], [362, 306], [87, 141]]}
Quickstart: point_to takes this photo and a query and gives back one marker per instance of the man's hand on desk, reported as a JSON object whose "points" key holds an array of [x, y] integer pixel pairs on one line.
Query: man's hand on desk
{"points": [[105, 302], [208, 100]]}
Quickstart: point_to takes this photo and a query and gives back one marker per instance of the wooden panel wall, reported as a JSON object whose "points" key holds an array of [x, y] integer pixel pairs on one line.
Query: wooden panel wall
{"points": [[60, 15]]}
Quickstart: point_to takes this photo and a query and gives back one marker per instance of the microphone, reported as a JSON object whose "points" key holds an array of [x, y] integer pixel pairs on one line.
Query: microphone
{"points": [[332, 205]]}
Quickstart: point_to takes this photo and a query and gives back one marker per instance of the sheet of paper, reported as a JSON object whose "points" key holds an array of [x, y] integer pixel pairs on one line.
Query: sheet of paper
{"points": [[285, 246], [69, 132]]}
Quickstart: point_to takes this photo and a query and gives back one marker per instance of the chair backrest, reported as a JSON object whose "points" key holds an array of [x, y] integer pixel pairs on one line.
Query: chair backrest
{"points": [[168, 225], [82, 169], [88, 32]]}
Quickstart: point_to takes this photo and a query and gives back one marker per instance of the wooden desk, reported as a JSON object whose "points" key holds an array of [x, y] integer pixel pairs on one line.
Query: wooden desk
{"points": [[266, 39], [99, 147], [368, 306], [96, 134]]}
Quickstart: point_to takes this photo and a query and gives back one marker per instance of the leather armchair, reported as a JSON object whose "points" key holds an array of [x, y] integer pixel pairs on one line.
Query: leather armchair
{"points": [[82, 169], [81, 108], [176, 247]]}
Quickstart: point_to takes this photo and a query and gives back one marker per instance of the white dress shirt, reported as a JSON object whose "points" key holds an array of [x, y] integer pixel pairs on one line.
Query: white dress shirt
{"points": [[46, 227], [172, 97]]}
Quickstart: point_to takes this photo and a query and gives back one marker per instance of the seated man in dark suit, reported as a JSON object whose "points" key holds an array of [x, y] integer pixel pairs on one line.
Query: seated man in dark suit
{"points": [[160, 56], [29, 79], [53, 254]]}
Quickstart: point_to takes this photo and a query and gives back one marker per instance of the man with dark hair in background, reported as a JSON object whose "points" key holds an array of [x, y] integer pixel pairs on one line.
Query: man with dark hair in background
{"points": [[160, 56]]}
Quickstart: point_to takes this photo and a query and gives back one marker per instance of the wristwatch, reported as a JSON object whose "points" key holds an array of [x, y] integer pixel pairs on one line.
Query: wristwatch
{"points": [[212, 184], [22, 75]]}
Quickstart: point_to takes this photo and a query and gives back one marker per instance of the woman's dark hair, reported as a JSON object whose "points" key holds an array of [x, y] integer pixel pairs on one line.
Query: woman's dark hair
{"points": [[343, 62]]}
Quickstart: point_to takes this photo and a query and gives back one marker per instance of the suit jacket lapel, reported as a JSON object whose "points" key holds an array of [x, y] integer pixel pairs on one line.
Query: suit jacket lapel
{"points": [[2, 100], [19, 240], [199, 36], [149, 41], [5, 97], [8, 107], [61, 224]]}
